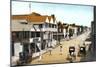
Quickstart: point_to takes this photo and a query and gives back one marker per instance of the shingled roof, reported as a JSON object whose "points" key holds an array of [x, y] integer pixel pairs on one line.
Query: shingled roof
{"points": [[33, 17]]}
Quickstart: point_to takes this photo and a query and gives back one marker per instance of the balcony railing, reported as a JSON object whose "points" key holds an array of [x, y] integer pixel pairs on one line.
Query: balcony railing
{"points": [[45, 29], [49, 29]]}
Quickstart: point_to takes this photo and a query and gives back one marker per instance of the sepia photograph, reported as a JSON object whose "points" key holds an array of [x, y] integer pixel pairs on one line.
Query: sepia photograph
{"points": [[52, 33]]}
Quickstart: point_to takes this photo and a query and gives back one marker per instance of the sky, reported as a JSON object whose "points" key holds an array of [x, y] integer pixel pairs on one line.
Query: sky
{"points": [[66, 13]]}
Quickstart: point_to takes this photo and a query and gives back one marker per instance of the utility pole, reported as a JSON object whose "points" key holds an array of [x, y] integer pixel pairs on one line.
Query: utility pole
{"points": [[30, 27], [41, 42]]}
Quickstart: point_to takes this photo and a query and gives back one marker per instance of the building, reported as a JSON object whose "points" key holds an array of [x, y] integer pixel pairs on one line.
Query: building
{"points": [[32, 33], [68, 30]]}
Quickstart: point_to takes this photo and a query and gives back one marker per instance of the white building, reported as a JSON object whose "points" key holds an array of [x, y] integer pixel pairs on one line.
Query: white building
{"points": [[33, 29]]}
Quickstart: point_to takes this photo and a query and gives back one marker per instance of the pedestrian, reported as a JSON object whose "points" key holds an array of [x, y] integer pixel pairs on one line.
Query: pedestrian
{"points": [[61, 49], [50, 52], [21, 58], [40, 56], [50, 49]]}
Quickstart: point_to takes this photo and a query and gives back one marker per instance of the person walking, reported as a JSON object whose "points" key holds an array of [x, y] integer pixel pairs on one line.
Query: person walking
{"points": [[50, 49], [40, 56], [61, 49]]}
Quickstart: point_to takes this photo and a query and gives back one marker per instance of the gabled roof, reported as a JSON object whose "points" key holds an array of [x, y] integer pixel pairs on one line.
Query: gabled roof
{"points": [[33, 17]]}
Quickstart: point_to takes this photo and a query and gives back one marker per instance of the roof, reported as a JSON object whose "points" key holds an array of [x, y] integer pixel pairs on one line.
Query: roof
{"points": [[33, 17]]}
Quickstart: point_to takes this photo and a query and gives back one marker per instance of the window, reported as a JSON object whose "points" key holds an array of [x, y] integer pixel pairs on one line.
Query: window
{"points": [[33, 34], [46, 25], [40, 26], [26, 34], [50, 25], [12, 48], [16, 36], [38, 34], [53, 25]]}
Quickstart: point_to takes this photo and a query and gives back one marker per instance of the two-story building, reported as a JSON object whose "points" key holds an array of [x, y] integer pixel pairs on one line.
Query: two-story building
{"points": [[32, 33]]}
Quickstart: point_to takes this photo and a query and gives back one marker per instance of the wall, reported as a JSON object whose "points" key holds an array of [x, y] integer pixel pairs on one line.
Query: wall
{"points": [[17, 26]]}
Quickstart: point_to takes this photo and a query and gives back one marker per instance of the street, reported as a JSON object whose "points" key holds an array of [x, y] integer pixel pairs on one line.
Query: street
{"points": [[57, 57]]}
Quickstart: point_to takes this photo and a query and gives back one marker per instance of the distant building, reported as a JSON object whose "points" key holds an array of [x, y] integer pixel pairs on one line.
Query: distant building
{"points": [[71, 30], [68, 30]]}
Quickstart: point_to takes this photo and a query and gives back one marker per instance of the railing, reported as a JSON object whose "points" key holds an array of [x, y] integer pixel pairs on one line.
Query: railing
{"points": [[45, 29], [49, 29]]}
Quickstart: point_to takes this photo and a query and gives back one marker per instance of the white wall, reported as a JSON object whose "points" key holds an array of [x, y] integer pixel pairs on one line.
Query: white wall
{"points": [[17, 26], [17, 48]]}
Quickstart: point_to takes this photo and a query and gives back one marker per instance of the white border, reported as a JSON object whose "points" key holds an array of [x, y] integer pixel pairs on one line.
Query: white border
{"points": [[5, 33]]}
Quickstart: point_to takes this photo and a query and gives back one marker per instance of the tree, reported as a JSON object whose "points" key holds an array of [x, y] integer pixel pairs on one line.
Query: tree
{"points": [[81, 29], [70, 33], [60, 27], [73, 24]]}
